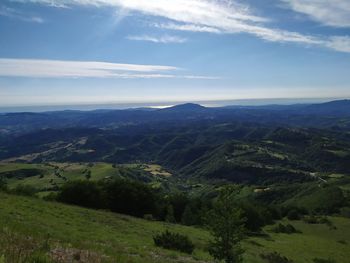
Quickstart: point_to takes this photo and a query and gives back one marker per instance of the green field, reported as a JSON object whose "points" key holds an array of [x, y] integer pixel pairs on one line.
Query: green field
{"points": [[112, 237], [50, 176]]}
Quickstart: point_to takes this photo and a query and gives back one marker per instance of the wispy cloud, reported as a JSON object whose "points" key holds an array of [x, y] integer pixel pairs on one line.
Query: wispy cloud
{"points": [[187, 27], [158, 39], [328, 12], [86, 69], [216, 16], [16, 14]]}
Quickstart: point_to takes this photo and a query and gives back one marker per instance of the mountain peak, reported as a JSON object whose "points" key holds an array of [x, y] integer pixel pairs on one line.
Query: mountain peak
{"points": [[186, 107]]}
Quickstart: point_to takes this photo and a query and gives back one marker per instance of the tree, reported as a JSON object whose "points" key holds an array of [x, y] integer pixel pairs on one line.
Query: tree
{"points": [[188, 217], [226, 223], [82, 193], [170, 214]]}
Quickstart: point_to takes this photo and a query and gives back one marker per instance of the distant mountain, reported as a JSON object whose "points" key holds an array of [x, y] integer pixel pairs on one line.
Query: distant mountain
{"points": [[337, 107], [330, 114], [185, 107]]}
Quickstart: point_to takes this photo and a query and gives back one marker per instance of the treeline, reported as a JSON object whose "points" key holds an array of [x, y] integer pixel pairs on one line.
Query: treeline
{"points": [[140, 200]]}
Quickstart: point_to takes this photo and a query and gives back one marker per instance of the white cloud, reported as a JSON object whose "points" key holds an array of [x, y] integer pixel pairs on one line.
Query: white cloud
{"points": [[329, 12], [158, 39], [216, 16], [187, 27], [13, 13], [339, 43], [85, 69]]}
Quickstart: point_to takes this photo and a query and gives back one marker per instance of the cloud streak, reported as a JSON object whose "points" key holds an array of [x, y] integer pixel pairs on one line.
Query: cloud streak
{"points": [[86, 69], [15, 14], [216, 16], [334, 13], [158, 39]]}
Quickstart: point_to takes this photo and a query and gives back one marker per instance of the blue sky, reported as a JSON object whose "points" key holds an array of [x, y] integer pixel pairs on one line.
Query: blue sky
{"points": [[121, 51]]}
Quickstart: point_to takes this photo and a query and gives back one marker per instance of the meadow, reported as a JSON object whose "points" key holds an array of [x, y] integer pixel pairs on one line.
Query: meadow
{"points": [[66, 231]]}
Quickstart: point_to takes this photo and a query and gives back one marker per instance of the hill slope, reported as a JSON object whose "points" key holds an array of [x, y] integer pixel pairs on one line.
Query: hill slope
{"points": [[107, 236], [98, 236]]}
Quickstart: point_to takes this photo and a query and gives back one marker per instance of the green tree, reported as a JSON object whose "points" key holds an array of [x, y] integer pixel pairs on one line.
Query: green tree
{"points": [[170, 218], [188, 217], [226, 224]]}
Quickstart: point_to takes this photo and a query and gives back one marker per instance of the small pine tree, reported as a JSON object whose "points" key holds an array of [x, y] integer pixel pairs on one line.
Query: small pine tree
{"points": [[226, 223]]}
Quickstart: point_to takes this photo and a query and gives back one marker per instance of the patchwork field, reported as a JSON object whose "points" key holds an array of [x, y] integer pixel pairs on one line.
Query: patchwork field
{"points": [[49, 177]]}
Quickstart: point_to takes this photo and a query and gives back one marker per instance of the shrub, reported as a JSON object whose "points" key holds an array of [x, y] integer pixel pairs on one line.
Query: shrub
{"points": [[287, 229], [345, 212], [174, 241], [25, 190], [148, 217], [317, 220], [275, 258], [293, 215]]}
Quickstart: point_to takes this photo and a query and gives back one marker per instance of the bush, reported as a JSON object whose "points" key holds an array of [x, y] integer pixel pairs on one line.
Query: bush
{"points": [[287, 229], [293, 215], [317, 220], [275, 258], [345, 212], [25, 190], [174, 241]]}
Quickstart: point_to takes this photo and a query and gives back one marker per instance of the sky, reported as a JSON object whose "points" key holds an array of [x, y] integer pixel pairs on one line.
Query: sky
{"points": [[65, 52]]}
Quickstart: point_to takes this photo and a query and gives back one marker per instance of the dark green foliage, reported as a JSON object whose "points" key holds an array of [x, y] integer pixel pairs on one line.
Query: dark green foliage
{"points": [[26, 190], [275, 258], [257, 215], [325, 200], [226, 223], [3, 184], [129, 197], [188, 217], [82, 193], [178, 201], [121, 196], [293, 214], [286, 229], [21, 173], [345, 212], [169, 217], [174, 241], [312, 219]]}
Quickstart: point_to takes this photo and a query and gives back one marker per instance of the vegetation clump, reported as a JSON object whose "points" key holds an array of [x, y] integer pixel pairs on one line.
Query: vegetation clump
{"points": [[286, 229], [275, 257], [174, 241]]}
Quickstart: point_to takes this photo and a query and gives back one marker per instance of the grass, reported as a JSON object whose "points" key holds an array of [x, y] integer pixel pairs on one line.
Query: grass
{"points": [[113, 237], [116, 238], [314, 241], [120, 238], [56, 174]]}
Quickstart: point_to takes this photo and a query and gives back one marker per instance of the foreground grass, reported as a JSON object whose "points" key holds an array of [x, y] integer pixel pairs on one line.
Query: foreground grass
{"points": [[114, 237], [314, 241], [110, 237]]}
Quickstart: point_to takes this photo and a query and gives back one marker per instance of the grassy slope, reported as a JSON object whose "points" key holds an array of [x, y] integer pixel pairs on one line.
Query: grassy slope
{"points": [[122, 238], [315, 241], [127, 239]]}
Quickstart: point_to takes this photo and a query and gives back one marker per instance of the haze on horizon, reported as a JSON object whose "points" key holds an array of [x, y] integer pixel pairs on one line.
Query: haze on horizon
{"points": [[60, 52]]}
